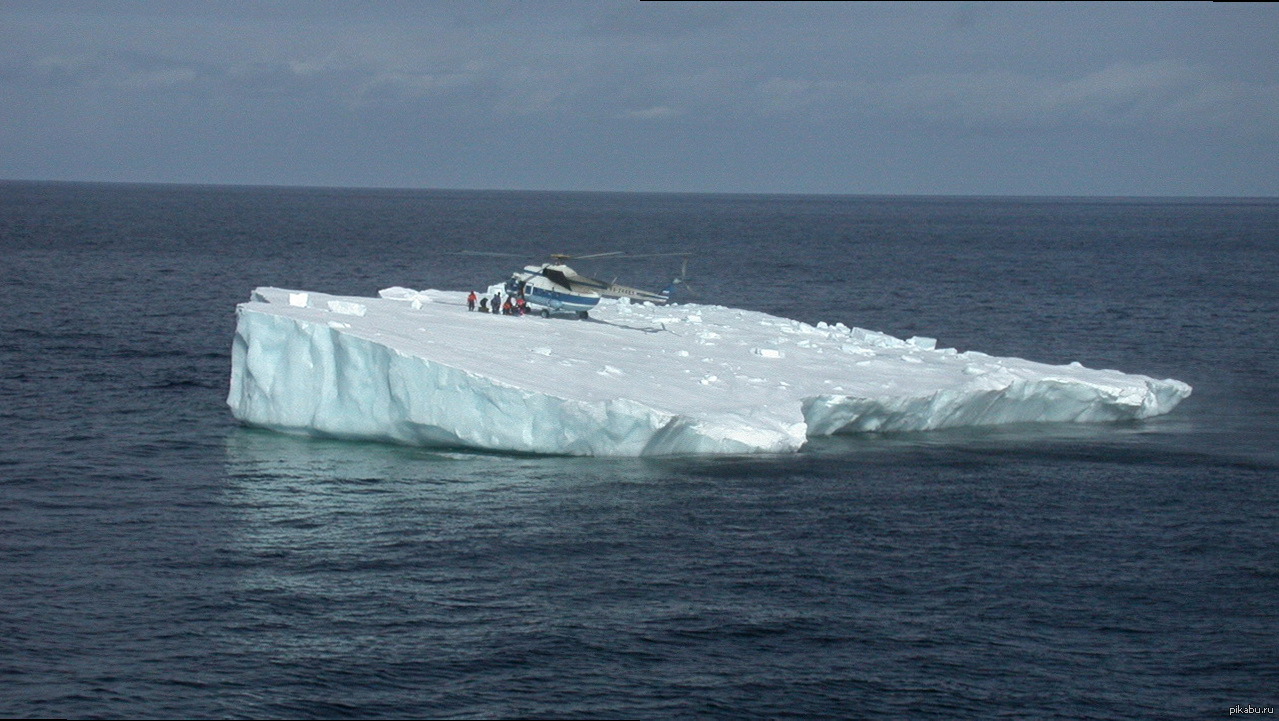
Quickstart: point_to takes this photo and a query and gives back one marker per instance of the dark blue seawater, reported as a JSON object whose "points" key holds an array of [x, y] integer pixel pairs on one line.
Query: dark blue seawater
{"points": [[158, 561]]}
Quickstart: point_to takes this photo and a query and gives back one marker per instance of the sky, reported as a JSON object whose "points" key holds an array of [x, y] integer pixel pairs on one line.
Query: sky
{"points": [[966, 98]]}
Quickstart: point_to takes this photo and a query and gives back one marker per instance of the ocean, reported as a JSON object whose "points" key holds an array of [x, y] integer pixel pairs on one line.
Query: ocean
{"points": [[157, 560]]}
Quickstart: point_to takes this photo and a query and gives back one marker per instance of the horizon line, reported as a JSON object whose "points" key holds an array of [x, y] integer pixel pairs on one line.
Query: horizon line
{"points": [[398, 188]]}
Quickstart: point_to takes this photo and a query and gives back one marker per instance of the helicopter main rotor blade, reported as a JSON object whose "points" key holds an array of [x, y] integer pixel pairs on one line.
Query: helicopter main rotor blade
{"points": [[594, 255], [488, 254], [621, 255]]}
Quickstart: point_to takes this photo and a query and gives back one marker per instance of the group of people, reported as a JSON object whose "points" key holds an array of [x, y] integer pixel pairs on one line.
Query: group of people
{"points": [[513, 305]]}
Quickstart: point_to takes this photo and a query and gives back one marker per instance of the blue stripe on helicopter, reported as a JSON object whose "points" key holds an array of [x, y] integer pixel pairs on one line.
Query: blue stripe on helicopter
{"points": [[555, 299]]}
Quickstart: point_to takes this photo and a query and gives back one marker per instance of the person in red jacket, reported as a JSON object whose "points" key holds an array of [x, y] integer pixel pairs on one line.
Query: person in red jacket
{"points": [[470, 301]]}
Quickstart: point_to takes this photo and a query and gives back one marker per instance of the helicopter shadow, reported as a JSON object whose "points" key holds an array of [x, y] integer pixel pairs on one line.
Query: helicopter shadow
{"points": [[588, 319]]}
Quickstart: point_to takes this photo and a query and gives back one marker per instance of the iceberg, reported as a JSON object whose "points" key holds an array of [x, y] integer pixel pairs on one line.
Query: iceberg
{"points": [[416, 367]]}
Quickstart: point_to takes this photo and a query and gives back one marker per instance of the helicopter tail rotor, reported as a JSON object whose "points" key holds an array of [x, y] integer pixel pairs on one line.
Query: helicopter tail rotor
{"points": [[683, 278], [680, 282]]}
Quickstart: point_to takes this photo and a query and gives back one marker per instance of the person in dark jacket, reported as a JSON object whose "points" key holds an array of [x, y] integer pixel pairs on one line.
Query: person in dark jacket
{"points": [[484, 305]]}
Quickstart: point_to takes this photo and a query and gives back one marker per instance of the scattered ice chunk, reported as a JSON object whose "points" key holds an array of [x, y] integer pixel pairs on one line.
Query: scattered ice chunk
{"points": [[405, 294], [346, 307]]}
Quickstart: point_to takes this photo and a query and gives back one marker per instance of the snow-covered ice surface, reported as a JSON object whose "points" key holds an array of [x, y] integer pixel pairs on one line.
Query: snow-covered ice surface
{"points": [[416, 367]]}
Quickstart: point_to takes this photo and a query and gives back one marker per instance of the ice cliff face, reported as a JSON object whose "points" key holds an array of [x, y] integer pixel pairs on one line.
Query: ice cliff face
{"points": [[418, 368]]}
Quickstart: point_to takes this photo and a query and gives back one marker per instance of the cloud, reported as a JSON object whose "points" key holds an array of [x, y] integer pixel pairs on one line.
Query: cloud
{"points": [[1159, 96], [119, 70], [656, 112], [414, 85], [659, 21], [978, 67], [319, 73], [1163, 95]]}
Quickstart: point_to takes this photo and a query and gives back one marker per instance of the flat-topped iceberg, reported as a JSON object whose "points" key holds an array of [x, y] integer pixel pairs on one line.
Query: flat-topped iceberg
{"points": [[417, 367]]}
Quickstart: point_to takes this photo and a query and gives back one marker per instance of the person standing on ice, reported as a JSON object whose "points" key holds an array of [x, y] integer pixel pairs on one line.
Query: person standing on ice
{"points": [[496, 305], [470, 301]]}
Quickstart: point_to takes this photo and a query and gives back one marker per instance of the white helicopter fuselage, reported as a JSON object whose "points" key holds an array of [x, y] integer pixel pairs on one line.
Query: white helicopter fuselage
{"points": [[556, 287], [542, 292]]}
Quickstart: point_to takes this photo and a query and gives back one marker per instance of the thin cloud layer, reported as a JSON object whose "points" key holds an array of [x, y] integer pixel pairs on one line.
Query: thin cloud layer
{"points": [[440, 78]]}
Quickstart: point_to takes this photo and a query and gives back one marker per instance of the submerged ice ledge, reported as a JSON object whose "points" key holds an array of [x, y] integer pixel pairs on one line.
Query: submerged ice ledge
{"points": [[416, 367]]}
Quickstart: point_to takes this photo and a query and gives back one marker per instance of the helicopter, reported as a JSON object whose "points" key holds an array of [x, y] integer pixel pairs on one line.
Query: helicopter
{"points": [[554, 287]]}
